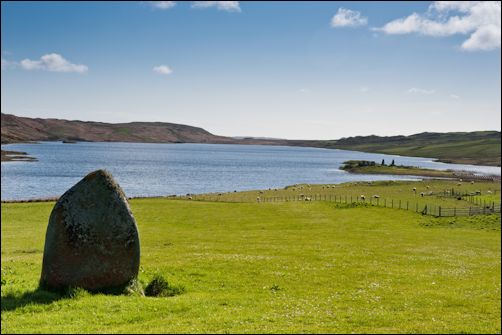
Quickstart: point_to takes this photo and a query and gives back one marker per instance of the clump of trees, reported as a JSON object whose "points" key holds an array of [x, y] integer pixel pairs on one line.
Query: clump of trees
{"points": [[354, 164]]}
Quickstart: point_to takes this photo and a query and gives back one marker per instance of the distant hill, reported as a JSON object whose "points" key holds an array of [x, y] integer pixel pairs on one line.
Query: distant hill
{"points": [[480, 147], [22, 129]]}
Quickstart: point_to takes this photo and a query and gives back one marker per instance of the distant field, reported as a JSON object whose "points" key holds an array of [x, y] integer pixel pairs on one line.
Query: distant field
{"points": [[386, 190], [309, 267]]}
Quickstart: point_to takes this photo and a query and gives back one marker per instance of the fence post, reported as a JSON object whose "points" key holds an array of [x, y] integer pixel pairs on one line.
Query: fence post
{"points": [[454, 211], [385, 202], [439, 211], [416, 207], [469, 211]]}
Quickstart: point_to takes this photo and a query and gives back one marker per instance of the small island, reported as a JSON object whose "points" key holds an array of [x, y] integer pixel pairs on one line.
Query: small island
{"points": [[11, 156], [371, 167]]}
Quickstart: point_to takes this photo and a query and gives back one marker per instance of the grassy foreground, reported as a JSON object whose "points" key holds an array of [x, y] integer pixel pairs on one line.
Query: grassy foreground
{"points": [[273, 267]]}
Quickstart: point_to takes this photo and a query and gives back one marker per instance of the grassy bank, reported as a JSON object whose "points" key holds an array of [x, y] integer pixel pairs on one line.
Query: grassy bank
{"points": [[366, 167], [273, 267]]}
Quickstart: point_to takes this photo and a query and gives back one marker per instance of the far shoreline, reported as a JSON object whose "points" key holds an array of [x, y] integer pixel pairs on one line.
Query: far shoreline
{"points": [[434, 159]]}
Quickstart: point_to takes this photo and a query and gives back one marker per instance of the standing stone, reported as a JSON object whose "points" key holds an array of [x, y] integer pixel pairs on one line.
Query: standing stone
{"points": [[92, 240]]}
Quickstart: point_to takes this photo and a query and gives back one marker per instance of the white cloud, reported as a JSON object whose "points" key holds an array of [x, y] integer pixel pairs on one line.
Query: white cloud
{"points": [[229, 6], [364, 89], [162, 4], [162, 69], [348, 18], [420, 91], [480, 19], [454, 96], [52, 62], [304, 90]]}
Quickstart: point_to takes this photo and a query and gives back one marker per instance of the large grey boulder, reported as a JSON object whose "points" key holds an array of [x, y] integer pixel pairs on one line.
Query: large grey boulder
{"points": [[92, 239]]}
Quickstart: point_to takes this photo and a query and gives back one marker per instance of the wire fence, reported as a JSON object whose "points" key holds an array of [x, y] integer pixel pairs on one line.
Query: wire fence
{"points": [[478, 207]]}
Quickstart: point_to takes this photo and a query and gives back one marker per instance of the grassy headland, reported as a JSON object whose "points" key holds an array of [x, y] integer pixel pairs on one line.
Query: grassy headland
{"points": [[312, 267], [370, 167]]}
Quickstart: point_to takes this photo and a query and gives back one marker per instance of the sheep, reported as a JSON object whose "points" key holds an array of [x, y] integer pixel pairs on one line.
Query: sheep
{"points": [[472, 181], [427, 187], [258, 199], [489, 192], [308, 199], [376, 196], [459, 184], [414, 189], [362, 197], [422, 194], [190, 198]]}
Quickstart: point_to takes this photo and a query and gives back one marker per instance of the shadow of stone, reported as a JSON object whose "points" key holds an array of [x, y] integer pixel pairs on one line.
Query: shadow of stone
{"points": [[39, 296]]}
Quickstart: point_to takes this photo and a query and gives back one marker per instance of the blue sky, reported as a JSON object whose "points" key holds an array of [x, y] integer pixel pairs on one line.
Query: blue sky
{"points": [[309, 70]]}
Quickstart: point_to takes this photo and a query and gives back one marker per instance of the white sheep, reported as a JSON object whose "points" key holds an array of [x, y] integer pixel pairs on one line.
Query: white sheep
{"points": [[258, 199], [308, 199], [376, 196], [362, 197], [421, 194], [414, 189]]}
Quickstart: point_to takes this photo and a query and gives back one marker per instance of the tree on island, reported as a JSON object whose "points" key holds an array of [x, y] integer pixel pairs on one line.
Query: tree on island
{"points": [[392, 164], [383, 162]]}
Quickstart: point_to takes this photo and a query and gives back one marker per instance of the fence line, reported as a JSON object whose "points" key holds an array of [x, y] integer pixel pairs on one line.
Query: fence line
{"points": [[479, 207]]}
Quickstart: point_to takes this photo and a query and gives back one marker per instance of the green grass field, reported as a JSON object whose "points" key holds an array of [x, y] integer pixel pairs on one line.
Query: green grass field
{"points": [[307, 267]]}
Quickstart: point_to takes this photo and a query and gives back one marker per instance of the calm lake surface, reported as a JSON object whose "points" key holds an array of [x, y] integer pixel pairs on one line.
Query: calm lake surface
{"points": [[163, 169]]}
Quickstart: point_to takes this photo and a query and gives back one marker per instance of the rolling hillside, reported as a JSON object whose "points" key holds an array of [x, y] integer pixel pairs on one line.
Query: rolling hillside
{"points": [[21, 129], [479, 147]]}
